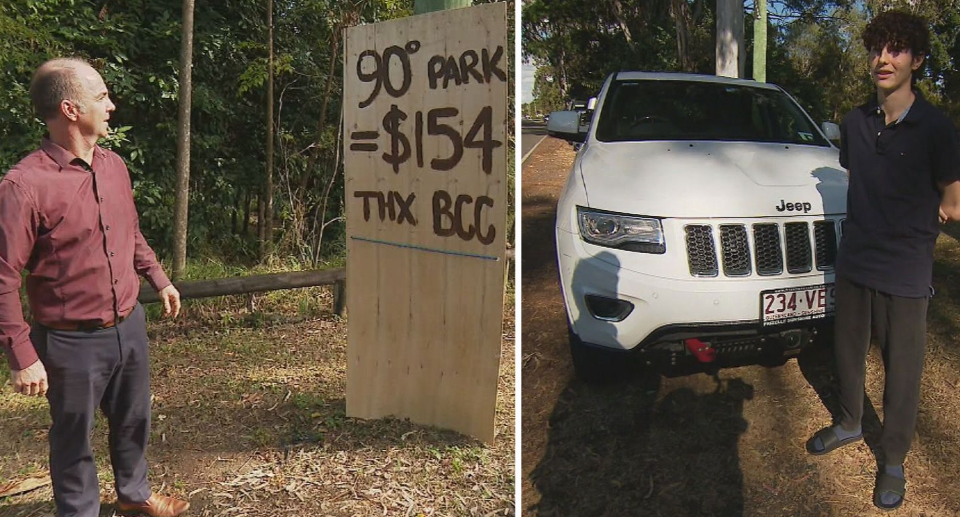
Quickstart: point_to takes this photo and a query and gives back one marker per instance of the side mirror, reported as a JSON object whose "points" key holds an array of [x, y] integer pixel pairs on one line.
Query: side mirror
{"points": [[566, 125], [831, 131], [592, 104]]}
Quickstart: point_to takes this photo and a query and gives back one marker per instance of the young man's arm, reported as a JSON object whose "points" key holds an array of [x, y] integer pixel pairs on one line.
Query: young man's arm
{"points": [[950, 204], [947, 172]]}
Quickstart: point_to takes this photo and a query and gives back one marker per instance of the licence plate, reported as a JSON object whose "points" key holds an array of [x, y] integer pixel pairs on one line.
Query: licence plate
{"points": [[797, 304]]}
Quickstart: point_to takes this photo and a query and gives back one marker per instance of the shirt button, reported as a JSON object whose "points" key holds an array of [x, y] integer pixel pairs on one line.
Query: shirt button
{"points": [[108, 227], [115, 281], [112, 253], [101, 199]]}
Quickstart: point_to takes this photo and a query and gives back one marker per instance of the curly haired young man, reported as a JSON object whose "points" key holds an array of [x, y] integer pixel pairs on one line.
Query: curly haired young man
{"points": [[903, 158]]}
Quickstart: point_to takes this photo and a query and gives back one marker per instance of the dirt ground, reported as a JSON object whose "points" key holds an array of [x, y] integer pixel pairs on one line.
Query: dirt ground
{"points": [[249, 419], [699, 445]]}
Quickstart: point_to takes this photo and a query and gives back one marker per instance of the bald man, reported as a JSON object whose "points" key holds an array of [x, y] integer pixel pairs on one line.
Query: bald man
{"points": [[67, 216]]}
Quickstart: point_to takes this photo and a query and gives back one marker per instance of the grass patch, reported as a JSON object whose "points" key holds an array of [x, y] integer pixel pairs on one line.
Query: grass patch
{"points": [[249, 415]]}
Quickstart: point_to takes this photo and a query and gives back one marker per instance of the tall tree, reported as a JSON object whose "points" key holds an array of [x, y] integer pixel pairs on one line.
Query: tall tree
{"points": [[266, 239], [183, 142]]}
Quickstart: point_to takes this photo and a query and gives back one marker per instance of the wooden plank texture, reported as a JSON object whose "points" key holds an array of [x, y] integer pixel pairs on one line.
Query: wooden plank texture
{"points": [[425, 132]]}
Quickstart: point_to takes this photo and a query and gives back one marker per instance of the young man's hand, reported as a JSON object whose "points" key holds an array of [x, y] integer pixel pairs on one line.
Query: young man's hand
{"points": [[943, 216], [31, 381], [171, 301]]}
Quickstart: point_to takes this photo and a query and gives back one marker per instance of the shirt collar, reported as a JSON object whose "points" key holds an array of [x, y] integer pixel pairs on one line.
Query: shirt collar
{"points": [[917, 110], [914, 113], [65, 158]]}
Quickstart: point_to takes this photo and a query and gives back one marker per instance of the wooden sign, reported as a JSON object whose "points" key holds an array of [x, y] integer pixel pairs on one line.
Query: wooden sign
{"points": [[426, 201]]}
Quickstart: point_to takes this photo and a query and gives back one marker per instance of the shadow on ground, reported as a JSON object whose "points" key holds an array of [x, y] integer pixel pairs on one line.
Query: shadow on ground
{"points": [[615, 449]]}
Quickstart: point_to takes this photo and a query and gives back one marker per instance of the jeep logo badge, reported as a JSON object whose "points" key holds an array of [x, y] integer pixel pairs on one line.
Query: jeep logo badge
{"points": [[793, 207]]}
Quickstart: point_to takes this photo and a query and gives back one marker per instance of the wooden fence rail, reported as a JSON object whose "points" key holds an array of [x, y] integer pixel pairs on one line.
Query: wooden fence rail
{"points": [[257, 284], [261, 283]]}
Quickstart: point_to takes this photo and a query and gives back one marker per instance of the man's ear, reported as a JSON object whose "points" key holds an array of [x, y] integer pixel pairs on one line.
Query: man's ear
{"points": [[70, 110]]}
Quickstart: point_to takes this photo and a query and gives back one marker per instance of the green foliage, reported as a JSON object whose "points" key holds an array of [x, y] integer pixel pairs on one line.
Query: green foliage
{"points": [[135, 44], [814, 49], [583, 42], [546, 91]]}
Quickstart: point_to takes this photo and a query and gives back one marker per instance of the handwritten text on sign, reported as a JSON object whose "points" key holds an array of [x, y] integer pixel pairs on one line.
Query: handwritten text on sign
{"points": [[391, 72], [425, 121]]}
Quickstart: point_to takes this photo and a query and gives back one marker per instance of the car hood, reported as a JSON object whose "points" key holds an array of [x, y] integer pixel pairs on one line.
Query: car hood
{"points": [[713, 179]]}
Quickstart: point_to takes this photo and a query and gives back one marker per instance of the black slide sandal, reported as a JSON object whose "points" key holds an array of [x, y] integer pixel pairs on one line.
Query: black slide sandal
{"points": [[892, 484], [830, 441]]}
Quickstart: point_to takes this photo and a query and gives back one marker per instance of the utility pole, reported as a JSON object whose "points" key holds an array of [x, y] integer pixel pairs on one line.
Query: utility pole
{"points": [[760, 42]]}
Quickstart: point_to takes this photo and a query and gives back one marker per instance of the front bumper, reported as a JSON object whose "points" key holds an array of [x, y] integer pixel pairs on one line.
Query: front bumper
{"points": [[666, 310]]}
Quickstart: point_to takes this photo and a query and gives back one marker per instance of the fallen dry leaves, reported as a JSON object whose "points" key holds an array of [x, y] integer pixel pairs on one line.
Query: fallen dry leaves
{"points": [[250, 421]]}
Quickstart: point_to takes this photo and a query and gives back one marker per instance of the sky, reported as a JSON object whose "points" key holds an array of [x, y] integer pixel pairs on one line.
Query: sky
{"points": [[526, 82]]}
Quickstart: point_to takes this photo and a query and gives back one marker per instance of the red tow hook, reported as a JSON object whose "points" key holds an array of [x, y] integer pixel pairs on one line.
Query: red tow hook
{"points": [[702, 351]]}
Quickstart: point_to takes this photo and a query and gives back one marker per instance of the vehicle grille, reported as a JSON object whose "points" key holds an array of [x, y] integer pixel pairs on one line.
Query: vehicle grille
{"points": [[701, 251], [767, 249], [775, 247], [825, 237], [798, 247], [736, 256]]}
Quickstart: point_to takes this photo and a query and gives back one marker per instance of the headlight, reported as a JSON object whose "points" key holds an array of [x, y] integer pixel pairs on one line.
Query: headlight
{"points": [[625, 232]]}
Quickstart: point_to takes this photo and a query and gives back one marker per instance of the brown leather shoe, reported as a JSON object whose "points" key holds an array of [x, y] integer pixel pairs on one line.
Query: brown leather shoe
{"points": [[156, 506]]}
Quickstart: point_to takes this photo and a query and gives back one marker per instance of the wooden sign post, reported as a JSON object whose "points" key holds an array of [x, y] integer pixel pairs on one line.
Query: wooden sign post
{"points": [[426, 199]]}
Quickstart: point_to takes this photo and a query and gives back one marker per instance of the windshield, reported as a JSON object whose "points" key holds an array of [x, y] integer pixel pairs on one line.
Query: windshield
{"points": [[686, 110]]}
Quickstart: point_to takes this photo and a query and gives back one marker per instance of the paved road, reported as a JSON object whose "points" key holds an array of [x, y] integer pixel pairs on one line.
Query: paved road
{"points": [[530, 134]]}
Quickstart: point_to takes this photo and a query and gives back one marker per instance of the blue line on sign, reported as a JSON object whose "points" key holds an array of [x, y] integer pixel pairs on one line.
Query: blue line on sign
{"points": [[421, 248]]}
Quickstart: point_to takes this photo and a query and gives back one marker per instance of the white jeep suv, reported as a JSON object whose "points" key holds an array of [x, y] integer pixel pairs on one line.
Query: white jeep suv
{"points": [[699, 225]]}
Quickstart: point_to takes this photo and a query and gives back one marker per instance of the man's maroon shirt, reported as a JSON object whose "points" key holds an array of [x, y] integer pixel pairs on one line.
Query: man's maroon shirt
{"points": [[75, 228]]}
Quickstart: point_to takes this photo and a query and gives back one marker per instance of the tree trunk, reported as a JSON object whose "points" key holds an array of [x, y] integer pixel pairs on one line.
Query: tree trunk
{"points": [[260, 226], [349, 19], [622, 21], [235, 214], [326, 196], [322, 123], [562, 76], [246, 212], [678, 9], [730, 52], [266, 241], [183, 143]]}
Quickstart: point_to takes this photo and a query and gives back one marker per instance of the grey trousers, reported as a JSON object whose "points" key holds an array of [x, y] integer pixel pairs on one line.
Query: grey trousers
{"points": [[900, 326], [108, 368]]}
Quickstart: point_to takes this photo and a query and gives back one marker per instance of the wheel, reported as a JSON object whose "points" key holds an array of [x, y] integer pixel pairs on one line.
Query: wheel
{"points": [[595, 364]]}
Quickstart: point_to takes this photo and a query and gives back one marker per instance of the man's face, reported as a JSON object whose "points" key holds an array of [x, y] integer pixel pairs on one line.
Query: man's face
{"points": [[891, 69], [96, 104]]}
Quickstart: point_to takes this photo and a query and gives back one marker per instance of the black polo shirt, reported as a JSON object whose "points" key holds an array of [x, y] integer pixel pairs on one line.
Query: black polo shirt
{"points": [[893, 201]]}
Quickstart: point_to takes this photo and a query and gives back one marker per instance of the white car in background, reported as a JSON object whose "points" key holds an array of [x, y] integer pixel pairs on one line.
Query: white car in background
{"points": [[699, 225]]}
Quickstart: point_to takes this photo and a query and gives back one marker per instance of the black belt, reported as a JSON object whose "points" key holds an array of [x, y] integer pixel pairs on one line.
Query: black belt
{"points": [[88, 325]]}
